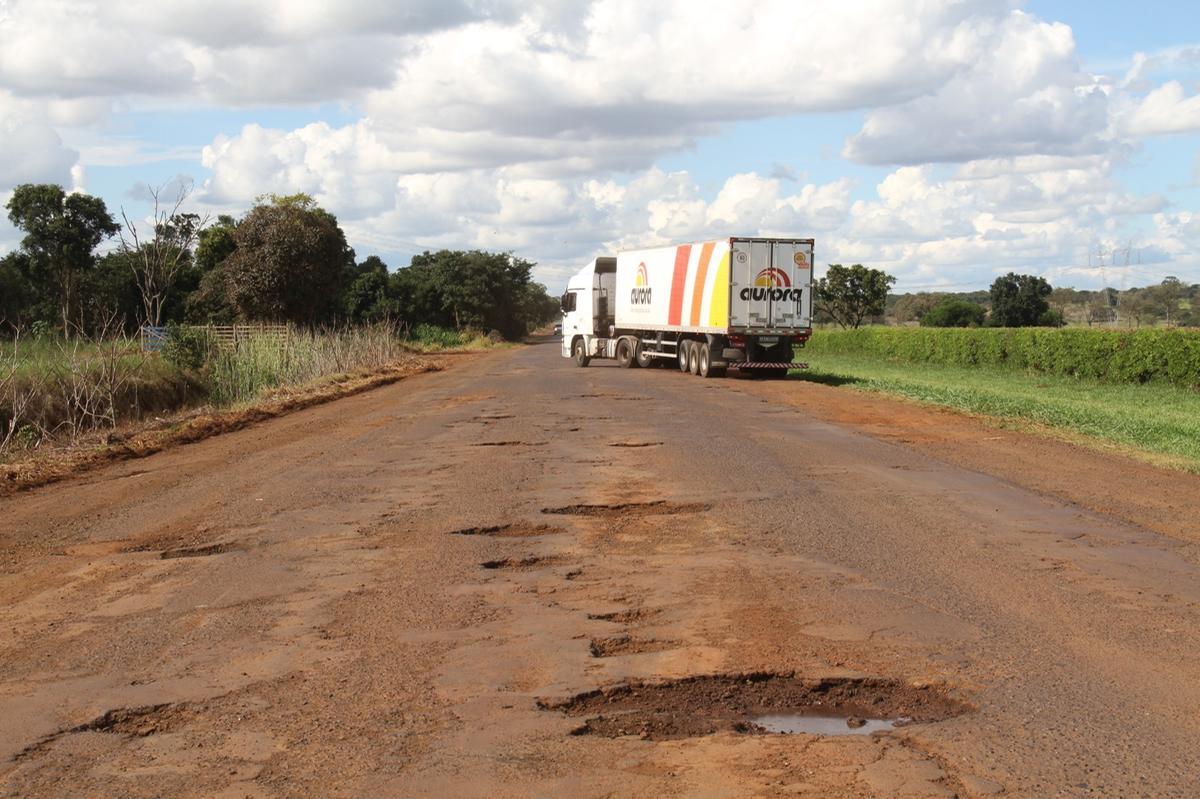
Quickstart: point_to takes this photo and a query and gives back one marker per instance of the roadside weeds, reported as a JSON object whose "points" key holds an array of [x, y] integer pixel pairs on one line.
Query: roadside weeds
{"points": [[50, 465]]}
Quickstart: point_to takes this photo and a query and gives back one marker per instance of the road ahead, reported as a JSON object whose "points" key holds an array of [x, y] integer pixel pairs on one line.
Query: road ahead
{"points": [[393, 594]]}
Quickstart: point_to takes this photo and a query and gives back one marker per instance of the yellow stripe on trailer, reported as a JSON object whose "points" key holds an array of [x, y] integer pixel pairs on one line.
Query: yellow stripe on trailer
{"points": [[718, 305]]}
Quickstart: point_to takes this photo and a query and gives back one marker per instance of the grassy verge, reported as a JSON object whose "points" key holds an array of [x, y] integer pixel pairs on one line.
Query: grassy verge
{"points": [[52, 463], [1152, 418], [56, 392]]}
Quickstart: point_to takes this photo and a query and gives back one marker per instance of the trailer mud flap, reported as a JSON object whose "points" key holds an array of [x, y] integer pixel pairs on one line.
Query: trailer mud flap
{"points": [[765, 365]]}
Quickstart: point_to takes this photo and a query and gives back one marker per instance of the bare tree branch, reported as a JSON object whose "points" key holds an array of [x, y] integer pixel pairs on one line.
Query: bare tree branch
{"points": [[156, 262]]}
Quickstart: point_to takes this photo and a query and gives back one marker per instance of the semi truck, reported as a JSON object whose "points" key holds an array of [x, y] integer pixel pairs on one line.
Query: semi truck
{"points": [[705, 307]]}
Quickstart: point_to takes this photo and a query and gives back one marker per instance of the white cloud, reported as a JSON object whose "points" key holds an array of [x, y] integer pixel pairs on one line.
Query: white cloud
{"points": [[33, 151], [1167, 109], [1022, 94]]}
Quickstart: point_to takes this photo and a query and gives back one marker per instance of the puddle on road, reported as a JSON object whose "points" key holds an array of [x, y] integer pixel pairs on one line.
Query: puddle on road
{"points": [[792, 724], [745, 703]]}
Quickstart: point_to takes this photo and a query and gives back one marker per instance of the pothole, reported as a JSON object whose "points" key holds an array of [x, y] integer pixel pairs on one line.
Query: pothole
{"points": [[695, 706], [612, 397], [514, 530], [492, 417], [636, 444], [630, 616], [136, 722], [520, 564], [509, 444], [658, 507], [139, 721], [614, 645], [198, 552]]}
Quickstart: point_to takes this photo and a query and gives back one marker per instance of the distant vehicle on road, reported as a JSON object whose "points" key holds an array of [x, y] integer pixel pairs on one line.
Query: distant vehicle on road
{"points": [[736, 303], [558, 328]]}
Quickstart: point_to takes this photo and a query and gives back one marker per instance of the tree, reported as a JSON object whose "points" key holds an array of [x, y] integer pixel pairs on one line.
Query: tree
{"points": [[366, 297], [62, 232], [16, 292], [951, 312], [289, 262], [215, 243], [851, 294], [157, 263], [913, 307], [109, 295], [1019, 300], [1166, 296], [1140, 305], [471, 289]]}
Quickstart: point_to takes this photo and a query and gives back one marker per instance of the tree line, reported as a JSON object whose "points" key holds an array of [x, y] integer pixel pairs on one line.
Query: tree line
{"points": [[286, 260], [853, 295]]}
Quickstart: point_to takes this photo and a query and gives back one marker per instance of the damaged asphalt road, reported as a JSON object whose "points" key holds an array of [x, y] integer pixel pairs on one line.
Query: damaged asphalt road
{"points": [[516, 577]]}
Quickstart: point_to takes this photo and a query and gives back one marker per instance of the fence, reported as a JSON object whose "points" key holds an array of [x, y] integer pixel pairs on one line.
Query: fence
{"points": [[154, 338]]}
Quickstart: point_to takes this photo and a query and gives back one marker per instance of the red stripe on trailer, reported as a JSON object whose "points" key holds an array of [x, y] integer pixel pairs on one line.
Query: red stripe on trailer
{"points": [[683, 254]]}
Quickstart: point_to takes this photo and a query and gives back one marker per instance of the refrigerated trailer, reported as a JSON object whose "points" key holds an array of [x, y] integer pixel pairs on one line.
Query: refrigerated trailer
{"points": [[736, 303]]}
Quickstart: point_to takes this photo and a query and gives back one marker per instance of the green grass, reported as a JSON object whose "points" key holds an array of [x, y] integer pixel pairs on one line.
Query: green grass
{"points": [[41, 358], [1152, 418]]}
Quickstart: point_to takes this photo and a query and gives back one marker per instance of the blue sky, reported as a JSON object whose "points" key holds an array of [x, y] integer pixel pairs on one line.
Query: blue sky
{"points": [[946, 143]]}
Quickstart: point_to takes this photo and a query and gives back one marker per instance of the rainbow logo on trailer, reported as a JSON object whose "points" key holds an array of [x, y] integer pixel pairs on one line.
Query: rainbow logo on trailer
{"points": [[641, 294], [773, 278], [773, 284]]}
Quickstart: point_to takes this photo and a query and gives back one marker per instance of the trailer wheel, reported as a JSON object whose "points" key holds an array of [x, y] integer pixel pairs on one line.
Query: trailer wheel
{"points": [[694, 358], [681, 354], [579, 352], [625, 353], [704, 367], [643, 358]]}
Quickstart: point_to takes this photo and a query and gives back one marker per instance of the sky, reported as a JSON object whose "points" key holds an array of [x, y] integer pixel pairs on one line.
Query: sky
{"points": [[944, 142]]}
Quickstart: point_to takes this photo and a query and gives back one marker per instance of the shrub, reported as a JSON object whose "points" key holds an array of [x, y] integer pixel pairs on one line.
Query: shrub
{"points": [[187, 347], [435, 336]]}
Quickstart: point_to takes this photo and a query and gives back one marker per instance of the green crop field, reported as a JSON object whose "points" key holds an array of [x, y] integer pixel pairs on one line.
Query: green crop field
{"points": [[1152, 418], [1168, 356]]}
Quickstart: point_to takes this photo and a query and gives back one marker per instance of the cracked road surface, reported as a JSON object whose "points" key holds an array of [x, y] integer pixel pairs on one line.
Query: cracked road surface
{"points": [[412, 591]]}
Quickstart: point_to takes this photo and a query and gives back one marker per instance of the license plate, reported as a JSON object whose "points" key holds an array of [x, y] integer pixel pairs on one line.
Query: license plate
{"points": [[768, 340]]}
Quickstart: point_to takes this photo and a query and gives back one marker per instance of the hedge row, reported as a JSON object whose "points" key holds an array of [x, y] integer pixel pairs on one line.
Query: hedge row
{"points": [[1114, 356]]}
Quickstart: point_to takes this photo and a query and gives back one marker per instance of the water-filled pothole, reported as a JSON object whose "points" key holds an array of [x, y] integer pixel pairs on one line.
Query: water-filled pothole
{"points": [[795, 723], [695, 706], [658, 507]]}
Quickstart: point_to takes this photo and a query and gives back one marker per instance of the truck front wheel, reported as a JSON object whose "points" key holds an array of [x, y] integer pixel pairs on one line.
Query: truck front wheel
{"points": [[579, 352]]}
